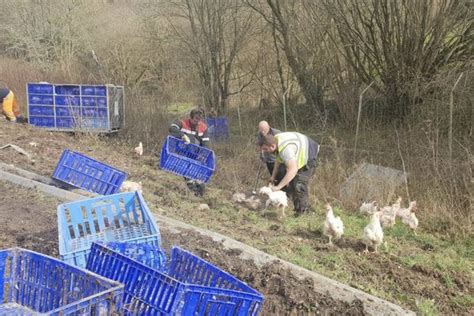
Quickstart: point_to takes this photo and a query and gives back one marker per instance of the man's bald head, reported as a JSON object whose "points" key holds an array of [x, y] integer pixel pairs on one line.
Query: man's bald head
{"points": [[263, 127]]}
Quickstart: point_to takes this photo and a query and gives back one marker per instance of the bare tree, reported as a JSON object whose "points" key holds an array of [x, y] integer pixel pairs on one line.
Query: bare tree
{"points": [[213, 32], [401, 44], [45, 32], [295, 36]]}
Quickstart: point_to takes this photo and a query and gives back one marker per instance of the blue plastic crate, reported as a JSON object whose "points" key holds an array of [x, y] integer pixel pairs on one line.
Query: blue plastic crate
{"points": [[67, 89], [149, 255], [40, 88], [84, 103], [86, 173], [65, 111], [100, 90], [94, 112], [40, 99], [67, 100], [41, 121], [118, 217], [95, 101], [94, 90], [35, 284], [189, 286], [67, 122], [218, 128], [188, 160], [41, 110]]}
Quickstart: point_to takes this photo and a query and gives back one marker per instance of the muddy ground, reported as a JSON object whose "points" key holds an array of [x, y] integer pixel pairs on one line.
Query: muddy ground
{"points": [[28, 220]]}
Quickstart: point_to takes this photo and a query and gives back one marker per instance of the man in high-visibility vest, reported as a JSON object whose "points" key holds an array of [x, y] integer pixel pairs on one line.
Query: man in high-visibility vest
{"points": [[10, 108], [298, 153]]}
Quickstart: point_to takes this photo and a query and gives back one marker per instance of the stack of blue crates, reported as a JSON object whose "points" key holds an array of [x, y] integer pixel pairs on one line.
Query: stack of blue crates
{"points": [[119, 217], [218, 128], [188, 285], [32, 284], [69, 107], [188, 160], [88, 174]]}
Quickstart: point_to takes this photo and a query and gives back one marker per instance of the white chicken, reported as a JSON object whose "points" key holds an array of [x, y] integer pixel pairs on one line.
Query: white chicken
{"points": [[412, 221], [388, 216], [253, 203], [238, 197], [203, 207], [373, 233], [130, 186], [333, 226], [368, 208], [389, 213], [405, 212], [275, 198], [139, 149]]}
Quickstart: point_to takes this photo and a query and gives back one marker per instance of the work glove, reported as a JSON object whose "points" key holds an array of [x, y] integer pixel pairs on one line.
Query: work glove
{"points": [[186, 139]]}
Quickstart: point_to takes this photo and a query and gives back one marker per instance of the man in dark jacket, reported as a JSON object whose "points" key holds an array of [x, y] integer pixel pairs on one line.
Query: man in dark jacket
{"points": [[192, 130]]}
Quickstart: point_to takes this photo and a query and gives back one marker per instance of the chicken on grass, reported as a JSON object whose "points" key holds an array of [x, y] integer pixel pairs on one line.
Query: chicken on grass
{"points": [[373, 233], [275, 198], [333, 226]]}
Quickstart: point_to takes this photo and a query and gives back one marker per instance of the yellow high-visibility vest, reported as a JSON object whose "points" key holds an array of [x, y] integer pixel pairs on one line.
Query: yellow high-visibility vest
{"points": [[301, 142]]}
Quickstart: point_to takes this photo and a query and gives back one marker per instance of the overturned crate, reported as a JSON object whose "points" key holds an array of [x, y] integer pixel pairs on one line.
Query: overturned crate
{"points": [[149, 255], [88, 174], [188, 160], [35, 284], [117, 217], [187, 286]]}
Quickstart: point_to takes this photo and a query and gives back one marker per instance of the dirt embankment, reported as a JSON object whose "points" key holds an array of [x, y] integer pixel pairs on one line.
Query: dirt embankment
{"points": [[28, 220]]}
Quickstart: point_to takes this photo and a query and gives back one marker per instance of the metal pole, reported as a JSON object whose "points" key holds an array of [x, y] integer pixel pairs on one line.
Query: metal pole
{"points": [[451, 110], [358, 116], [284, 105], [258, 176]]}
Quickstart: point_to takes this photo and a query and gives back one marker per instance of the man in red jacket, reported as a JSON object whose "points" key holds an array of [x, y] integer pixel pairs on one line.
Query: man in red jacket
{"points": [[192, 130]]}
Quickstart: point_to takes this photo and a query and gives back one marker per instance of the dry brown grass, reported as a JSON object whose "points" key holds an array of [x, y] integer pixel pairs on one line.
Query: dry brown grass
{"points": [[443, 189]]}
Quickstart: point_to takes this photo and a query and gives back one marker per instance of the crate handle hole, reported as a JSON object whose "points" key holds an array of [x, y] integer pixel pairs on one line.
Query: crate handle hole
{"points": [[96, 225], [81, 230], [88, 228], [71, 232]]}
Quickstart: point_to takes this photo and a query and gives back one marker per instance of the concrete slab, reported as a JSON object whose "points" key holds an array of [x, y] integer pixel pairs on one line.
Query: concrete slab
{"points": [[371, 182]]}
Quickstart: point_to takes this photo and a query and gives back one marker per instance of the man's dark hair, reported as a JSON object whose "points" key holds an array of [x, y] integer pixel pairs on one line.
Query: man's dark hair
{"points": [[197, 112], [268, 140]]}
